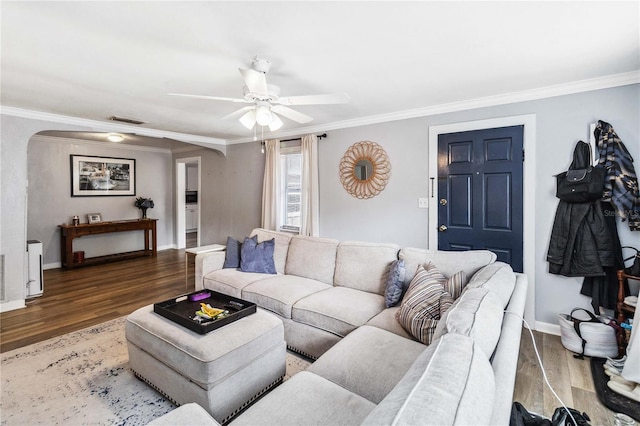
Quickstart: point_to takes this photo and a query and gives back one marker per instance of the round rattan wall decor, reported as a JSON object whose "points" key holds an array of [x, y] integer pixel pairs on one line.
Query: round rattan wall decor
{"points": [[365, 169]]}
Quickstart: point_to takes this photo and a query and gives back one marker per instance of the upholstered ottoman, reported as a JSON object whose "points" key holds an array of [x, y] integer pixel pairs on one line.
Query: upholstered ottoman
{"points": [[223, 371]]}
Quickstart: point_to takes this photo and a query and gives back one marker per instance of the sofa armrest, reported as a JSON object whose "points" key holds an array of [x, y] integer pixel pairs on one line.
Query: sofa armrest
{"points": [[206, 263], [505, 357]]}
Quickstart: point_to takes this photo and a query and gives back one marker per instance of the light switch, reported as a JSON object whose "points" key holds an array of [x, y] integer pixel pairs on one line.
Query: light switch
{"points": [[423, 203]]}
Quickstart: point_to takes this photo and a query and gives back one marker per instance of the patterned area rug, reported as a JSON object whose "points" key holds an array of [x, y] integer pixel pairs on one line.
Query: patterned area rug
{"points": [[83, 378]]}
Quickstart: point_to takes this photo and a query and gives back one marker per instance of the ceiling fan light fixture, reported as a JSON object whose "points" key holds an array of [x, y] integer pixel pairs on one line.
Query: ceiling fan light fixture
{"points": [[249, 119], [276, 123], [263, 115], [115, 137]]}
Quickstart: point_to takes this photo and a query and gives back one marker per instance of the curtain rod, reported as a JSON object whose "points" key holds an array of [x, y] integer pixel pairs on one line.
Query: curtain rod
{"points": [[324, 135]]}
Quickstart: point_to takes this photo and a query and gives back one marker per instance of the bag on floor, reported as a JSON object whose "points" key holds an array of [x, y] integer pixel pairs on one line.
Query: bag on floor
{"points": [[589, 337]]}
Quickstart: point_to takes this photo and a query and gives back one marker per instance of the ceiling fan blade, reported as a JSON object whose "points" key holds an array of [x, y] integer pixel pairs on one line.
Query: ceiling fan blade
{"points": [[238, 113], [338, 98], [255, 81], [291, 114], [249, 119], [212, 98], [276, 123]]}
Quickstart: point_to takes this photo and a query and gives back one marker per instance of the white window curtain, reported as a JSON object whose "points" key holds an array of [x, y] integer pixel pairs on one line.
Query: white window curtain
{"points": [[271, 185], [309, 209]]}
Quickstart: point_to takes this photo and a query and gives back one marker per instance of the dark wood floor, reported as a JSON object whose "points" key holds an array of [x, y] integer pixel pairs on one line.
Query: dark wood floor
{"points": [[84, 297], [79, 298]]}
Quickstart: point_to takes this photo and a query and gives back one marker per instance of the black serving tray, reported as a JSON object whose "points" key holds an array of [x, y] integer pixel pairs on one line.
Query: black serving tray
{"points": [[183, 311]]}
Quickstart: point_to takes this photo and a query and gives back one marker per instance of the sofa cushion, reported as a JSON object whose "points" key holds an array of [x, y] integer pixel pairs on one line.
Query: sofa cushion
{"points": [[257, 257], [307, 399], [477, 314], [424, 303], [312, 257], [338, 310], [386, 320], [498, 277], [394, 287], [233, 252], [351, 362], [187, 414], [231, 281], [364, 266], [279, 293], [281, 249], [450, 383], [448, 262]]}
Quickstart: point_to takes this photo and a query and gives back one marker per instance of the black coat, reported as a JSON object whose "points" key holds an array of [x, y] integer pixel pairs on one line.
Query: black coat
{"points": [[581, 244]]}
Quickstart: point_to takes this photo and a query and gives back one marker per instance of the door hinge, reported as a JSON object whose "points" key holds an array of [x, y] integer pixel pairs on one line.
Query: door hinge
{"points": [[523, 155]]}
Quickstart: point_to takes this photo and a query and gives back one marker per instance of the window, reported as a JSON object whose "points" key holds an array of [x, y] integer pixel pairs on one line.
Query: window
{"points": [[290, 189]]}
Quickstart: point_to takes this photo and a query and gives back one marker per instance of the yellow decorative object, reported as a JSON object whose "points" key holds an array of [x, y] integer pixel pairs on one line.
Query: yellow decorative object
{"points": [[365, 169]]}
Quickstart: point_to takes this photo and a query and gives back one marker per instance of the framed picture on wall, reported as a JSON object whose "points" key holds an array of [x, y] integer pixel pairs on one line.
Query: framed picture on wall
{"points": [[98, 176]]}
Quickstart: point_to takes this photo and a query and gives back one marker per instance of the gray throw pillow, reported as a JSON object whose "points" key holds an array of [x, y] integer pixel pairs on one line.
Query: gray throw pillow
{"points": [[233, 251], [257, 257], [395, 283]]}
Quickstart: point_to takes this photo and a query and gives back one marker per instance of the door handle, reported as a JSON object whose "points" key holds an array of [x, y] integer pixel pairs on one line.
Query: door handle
{"points": [[443, 201], [442, 228]]}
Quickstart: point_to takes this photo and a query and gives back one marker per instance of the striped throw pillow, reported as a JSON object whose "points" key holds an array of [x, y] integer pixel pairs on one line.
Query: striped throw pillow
{"points": [[423, 304], [455, 284]]}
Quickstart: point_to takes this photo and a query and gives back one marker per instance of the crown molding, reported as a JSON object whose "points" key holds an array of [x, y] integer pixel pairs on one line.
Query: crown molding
{"points": [[580, 86], [113, 127], [111, 145], [610, 81]]}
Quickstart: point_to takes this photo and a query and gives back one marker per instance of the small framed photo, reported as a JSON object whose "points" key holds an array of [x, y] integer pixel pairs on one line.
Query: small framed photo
{"points": [[94, 217]]}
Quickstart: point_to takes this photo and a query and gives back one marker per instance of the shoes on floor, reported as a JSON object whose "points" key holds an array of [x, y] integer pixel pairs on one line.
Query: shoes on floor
{"points": [[630, 391], [612, 371], [616, 362], [622, 380]]}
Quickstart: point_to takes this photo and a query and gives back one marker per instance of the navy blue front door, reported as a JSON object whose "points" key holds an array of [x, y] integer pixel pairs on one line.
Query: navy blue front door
{"points": [[480, 192]]}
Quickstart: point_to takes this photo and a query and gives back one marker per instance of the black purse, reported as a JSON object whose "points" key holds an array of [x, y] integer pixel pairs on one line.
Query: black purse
{"points": [[582, 183], [634, 269]]}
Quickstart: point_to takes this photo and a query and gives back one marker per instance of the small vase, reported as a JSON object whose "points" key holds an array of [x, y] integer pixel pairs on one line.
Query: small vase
{"points": [[144, 213]]}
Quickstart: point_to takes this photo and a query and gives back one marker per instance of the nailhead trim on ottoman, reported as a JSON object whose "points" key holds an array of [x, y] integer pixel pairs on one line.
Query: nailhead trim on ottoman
{"points": [[222, 371]]}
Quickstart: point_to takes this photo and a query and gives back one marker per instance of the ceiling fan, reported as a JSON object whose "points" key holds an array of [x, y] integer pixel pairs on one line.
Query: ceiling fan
{"points": [[266, 101]]}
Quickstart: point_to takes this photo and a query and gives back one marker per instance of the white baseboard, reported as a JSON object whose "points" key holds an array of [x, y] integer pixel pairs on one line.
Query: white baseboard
{"points": [[54, 265], [12, 305], [548, 328]]}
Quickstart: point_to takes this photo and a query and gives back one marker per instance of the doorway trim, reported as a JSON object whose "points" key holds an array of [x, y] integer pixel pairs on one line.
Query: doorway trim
{"points": [[529, 190], [181, 185]]}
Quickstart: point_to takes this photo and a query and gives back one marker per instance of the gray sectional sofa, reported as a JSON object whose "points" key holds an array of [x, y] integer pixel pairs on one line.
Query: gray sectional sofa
{"points": [[368, 369]]}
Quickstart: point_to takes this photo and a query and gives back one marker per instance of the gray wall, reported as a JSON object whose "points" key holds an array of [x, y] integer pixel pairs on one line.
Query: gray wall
{"points": [[232, 185], [394, 216], [50, 202], [231, 191]]}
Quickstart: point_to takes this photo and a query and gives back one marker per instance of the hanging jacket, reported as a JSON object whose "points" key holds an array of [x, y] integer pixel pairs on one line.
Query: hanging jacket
{"points": [[621, 182], [581, 244]]}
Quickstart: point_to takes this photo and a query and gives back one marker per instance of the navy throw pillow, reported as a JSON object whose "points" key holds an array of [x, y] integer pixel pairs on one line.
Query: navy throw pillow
{"points": [[395, 283], [233, 252], [258, 257]]}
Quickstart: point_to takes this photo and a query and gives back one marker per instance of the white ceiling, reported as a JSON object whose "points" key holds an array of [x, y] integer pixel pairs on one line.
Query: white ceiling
{"points": [[93, 60]]}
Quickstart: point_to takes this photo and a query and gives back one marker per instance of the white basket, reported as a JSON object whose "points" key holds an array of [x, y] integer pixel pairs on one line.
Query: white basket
{"points": [[601, 338]]}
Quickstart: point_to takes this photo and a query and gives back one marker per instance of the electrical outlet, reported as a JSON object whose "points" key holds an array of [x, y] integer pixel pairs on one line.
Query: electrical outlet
{"points": [[423, 203]]}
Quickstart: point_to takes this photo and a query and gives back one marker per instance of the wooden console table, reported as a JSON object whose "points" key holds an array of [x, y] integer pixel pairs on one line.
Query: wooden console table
{"points": [[69, 232]]}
